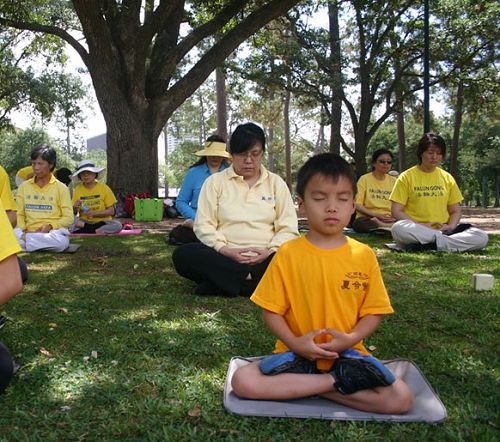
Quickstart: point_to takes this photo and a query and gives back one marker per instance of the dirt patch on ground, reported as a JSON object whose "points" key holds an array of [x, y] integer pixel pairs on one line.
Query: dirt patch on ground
{"points": [[486, 219]]}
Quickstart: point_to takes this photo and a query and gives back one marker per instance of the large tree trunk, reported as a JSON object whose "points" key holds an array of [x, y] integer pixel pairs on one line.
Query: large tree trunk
{"points": [[220, 88], [133, 53], [320, 141], [336, 105], [400, 124], [132, 159], [288, 146], [400, 116], [459, 110], [497, 192]]}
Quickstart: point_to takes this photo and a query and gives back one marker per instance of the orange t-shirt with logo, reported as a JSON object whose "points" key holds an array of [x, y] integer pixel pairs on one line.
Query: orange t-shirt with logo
{"points": [[314, 288]]}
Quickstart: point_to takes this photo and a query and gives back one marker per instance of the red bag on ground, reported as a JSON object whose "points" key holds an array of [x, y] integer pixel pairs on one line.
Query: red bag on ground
{"points": [[129, 201]]}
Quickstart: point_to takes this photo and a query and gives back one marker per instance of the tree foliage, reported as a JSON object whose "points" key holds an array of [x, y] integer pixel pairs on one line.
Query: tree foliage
{"points": [[145, 58], [16, 147], [32, 77]]}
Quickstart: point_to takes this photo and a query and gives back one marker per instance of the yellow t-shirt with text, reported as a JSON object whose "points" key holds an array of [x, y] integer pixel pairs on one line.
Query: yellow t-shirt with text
{"points": [[374, 194], [8, 242], [97, 199], [5, 192], [37, 205], [426, 196], [314, 288], [25, 172]]}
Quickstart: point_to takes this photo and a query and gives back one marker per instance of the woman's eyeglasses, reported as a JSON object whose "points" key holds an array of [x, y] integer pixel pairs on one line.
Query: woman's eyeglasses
{"points": [[253, 155], [384, 161]]}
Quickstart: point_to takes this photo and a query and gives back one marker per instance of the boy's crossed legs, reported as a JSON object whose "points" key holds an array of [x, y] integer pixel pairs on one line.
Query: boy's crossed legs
{"points": [[250, 382]]}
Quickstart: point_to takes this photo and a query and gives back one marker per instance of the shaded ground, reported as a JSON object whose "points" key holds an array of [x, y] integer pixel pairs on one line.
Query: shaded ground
{"points": [[486, 219]]}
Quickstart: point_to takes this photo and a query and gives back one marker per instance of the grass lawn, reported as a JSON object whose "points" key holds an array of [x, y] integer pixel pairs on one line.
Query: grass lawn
{"points": [[113, 346]]}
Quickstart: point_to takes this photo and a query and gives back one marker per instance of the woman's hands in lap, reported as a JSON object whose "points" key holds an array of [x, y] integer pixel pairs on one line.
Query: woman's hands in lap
{"points": [[246, 255]]}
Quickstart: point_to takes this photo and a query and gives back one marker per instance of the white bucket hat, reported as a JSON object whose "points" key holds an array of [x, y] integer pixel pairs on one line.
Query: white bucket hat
{"points": [[213, 149], [87, 165]]}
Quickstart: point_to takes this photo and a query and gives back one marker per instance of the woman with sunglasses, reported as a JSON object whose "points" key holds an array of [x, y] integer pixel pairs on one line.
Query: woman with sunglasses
{"points": [[244, 214], [373, 207]]}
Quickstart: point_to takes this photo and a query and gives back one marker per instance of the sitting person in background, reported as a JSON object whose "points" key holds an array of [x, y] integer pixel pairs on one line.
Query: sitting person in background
{"points": [[244, 214], [372, 201], [94, 202], [43, 206], [13, 273], [8, 201], [63, 175], [24, 174], [213, 159], [425, 201]]}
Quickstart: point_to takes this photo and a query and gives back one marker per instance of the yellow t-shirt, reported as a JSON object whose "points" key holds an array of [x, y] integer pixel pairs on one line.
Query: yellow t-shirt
{"points": [[314, 288], [374, 194], [5, 192], [232, 214], [97, 199], [426, 196], [25, 172], [8, 242], [37, 206]]}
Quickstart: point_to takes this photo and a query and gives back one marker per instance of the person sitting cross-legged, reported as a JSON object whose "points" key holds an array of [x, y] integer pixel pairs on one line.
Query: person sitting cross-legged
{"points": [[93, 201], [43, 206], [213, 159], [244, 215], [425, 203], [321, 295], [372, 201]]}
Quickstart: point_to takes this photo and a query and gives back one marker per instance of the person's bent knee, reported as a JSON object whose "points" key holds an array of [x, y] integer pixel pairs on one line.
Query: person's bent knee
{"points": [[402, 399], [243, 383], [482, 240]]}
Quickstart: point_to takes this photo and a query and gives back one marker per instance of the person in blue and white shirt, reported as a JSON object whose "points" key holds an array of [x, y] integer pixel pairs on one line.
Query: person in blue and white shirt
{"points": [[213, 159]]}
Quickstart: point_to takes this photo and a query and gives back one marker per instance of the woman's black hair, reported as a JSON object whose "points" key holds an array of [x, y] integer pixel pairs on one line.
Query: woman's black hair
{"points": [[246, 136], [328, 165], [379, 152], [45, 152], [203, 159], [64, 175], [428, 139]]}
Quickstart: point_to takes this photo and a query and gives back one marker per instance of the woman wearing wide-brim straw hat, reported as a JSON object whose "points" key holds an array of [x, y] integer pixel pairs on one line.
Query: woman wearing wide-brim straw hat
{"points": [[213, 159], [93, 202]]}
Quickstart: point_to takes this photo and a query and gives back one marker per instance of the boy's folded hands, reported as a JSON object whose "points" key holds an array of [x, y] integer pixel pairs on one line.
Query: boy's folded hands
{"points": [[307, 347], [340, 341]]}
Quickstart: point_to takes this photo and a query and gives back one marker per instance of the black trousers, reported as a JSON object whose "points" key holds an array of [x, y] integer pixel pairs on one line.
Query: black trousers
{"points": [[202, 264], [90, 228], [6, 367], [24, 269]]}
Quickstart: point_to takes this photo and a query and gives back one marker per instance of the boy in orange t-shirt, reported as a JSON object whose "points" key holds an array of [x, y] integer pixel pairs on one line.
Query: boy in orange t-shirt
{"points": [[321, 296]]}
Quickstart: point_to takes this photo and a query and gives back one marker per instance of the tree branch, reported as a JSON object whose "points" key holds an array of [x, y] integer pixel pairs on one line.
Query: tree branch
{"points": [[52, 30]]}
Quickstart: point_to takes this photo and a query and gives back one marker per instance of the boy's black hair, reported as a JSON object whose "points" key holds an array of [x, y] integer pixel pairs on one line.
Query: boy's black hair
{"points": [[45, 152], [246, 136], [329, 165]]}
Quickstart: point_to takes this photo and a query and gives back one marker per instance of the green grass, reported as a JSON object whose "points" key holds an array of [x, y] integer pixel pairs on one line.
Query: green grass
{"points": [[162, 353]]}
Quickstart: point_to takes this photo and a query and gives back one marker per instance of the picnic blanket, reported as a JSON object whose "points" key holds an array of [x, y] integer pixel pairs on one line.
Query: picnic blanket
{"points": [[428, 407]]}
